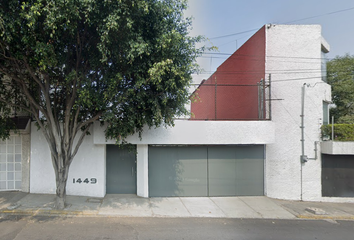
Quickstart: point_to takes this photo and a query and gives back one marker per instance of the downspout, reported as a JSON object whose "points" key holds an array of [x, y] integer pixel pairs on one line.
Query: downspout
{"points": [[315, 149], [304, 157], [332, 135]]}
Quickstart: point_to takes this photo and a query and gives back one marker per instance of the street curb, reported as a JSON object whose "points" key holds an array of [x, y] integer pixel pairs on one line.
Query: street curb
{"points": [[36, 212], [325, 217], [45, 212]]}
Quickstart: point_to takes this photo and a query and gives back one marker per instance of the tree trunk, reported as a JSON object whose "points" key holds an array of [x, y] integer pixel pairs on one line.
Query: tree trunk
{"points": [[62, 177]]}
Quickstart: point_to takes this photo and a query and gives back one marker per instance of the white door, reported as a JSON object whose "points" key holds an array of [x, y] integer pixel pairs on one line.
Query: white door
{"points": [[10, 164]]}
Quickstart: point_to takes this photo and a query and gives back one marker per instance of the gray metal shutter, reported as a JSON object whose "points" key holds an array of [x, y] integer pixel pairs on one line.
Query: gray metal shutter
{"points": [[206, 171], [236, 170], [177, 171]]}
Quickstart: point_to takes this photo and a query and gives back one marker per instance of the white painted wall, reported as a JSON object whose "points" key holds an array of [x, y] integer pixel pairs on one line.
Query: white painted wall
{"points": [[293, 57], [200, 132], [142, 167], [90, 162], [191, 132], [26, 156], [340, 148]]}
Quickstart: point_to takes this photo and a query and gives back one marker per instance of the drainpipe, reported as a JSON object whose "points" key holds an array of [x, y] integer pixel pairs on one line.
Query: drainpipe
{"points": [[332, 128], [304, 157]]}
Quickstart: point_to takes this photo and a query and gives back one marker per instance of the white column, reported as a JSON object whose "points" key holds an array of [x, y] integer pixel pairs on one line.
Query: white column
{"points": [[142, 171]]}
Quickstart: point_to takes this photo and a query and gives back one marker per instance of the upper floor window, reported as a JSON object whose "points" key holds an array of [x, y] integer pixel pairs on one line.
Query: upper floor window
{"points": [[325, 113], [323, 66]]}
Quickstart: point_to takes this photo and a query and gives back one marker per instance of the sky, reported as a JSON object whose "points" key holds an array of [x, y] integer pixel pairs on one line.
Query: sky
{"points": [[216, 19]]}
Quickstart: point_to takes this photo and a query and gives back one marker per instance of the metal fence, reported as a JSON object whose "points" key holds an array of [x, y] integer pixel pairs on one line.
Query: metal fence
{"points": [[213, 101]]}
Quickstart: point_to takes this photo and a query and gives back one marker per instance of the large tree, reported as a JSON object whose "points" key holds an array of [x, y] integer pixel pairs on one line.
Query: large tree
{"points": [[69, 63], [340, 75]]}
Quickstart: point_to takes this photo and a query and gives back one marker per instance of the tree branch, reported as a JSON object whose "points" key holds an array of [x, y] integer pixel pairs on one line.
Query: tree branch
{"points": [[25, 108], [23, 86], [95, 118], [29, 69], [74, 126]]}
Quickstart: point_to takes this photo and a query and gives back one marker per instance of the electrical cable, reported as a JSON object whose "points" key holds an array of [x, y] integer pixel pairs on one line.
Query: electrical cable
{"points": [[234, 34], [330, 13], [297, 20], [258, 56]]}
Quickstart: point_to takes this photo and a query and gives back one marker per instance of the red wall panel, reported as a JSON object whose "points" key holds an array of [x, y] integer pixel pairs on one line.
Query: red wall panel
{"points": [[236, 81]]}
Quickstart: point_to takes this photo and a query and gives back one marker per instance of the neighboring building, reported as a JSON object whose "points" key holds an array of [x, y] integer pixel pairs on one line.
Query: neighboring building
{"points": [[289, 59], [15, 154], [244, 137], [15, 157], [337, 169]]}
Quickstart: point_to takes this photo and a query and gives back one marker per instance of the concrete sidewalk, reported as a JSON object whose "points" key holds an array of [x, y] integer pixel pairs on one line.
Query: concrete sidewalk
{"points": [[113, 205]]}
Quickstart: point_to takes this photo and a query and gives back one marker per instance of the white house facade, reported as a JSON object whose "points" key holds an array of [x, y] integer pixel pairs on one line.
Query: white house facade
{"points": [[225, 153]]}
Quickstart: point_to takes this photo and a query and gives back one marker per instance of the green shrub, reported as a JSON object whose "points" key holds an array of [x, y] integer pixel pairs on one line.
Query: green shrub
{"points": [[348, 119], [342, 132]]}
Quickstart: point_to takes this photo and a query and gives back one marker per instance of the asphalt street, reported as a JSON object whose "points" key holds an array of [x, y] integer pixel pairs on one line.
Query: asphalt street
{"points": [[43, 227]]}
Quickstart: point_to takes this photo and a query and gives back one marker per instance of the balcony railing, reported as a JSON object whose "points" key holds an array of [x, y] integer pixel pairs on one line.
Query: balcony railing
{"points": [[338, 132], [214, 101]]}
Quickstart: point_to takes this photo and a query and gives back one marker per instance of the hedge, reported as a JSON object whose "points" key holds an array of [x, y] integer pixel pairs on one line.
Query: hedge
{"points": [[342, 132]]}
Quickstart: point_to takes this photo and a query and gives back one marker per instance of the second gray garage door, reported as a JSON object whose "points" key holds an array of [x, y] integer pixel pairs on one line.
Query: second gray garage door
{"points": [[206, 171]]}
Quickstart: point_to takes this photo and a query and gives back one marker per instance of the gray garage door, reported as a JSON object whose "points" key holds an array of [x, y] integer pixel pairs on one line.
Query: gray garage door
{"points": [[337, 175], [206, 171], [120, 170]]}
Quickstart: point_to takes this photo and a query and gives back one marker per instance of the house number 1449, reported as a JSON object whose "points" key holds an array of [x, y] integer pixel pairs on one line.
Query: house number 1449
{"points": [[86, 180]]}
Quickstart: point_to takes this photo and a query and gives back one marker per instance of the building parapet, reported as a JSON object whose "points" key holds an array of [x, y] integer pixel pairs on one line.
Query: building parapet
{"points": [[337, 148], [200, 133], [324, 45]]}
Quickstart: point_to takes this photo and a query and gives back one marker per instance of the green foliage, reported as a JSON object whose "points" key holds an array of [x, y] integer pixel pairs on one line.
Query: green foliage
{"points": [[126, 62], [348, 119], [340, 75], [342, 132], [69, 63], [6, 125]]}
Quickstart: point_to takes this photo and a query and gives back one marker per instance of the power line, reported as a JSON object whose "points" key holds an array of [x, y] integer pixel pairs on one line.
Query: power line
{"points": [[297, 20], [234, 34], [249, 55], [255, 60], [260, 72], [252, 85], [318, 73], [325, 14], [224, 85], [299, 70], [211, 57], [295, 79]]}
